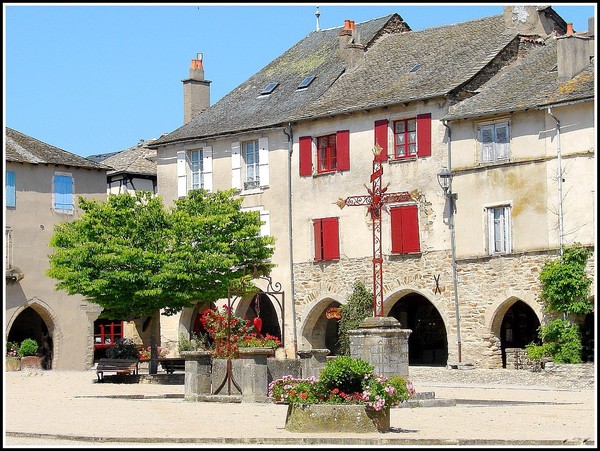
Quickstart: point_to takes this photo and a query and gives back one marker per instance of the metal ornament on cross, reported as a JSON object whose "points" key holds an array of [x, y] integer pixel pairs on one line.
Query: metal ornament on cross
{"points": [[376, 199]]}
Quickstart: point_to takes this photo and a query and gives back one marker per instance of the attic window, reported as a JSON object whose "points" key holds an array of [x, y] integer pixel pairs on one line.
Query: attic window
{"points": [[415, 68], [554, 69], [269, 88], [307, 81]]}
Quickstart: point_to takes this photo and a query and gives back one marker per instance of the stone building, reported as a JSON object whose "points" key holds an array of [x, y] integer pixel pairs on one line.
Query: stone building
{"points": [[42, 183], [482, 98]]}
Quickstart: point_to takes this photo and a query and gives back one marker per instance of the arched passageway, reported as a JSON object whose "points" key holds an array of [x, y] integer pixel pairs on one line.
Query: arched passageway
{"points": [[519, 328], [322, 326], [428, 342], [30, 324]]}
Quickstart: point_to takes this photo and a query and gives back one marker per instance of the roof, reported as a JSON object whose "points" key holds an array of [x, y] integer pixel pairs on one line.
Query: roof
{"points": [[530, 83], [138, 159], [21, 148]]}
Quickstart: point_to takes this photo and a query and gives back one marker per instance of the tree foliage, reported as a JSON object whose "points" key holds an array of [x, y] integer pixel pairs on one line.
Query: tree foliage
{"points": [[132, 256], [358, 307], [565, 285]]}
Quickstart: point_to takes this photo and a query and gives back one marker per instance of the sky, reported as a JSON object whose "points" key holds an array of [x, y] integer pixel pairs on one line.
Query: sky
{"points": [[98, 78]]}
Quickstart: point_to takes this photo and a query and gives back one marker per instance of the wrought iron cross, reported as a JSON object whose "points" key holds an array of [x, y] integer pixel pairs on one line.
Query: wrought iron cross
{"points": [[375, 201]]}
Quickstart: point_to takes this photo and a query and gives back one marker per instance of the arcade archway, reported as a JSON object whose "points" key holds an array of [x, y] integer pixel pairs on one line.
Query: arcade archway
{"points": [[30, 324], [519, 328]]}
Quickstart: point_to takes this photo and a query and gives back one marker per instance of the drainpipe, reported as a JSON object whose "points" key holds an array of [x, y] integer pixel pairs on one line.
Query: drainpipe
{"points": [[290, 137], [451, 198], [560, 180]]}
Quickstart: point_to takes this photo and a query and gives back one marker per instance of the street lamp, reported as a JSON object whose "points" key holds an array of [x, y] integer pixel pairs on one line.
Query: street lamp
{"points": [[445, 180]]}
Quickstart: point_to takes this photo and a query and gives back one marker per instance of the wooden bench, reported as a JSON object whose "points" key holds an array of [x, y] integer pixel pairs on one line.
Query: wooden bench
{"points": [[118, 366], [172, 364]]}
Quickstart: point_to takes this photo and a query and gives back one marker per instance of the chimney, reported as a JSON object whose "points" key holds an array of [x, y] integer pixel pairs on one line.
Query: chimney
{"points": [[351, 50], [196, 91], [572, 54]]}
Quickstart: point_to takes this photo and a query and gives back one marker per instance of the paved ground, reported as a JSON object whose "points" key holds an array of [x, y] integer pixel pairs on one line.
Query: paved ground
{"points": [[493, 408]]}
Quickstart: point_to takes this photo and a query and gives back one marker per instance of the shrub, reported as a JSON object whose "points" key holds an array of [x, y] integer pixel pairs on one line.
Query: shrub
{"points": [[194, 343], [28, 347], [124, 348], [562, 341], [536, 352], [344, 373], [358, 307]]}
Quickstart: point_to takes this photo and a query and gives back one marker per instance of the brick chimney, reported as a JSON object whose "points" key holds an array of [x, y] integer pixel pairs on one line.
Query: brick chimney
{"points": [[351, 50], [573, 54], [196, 91]]}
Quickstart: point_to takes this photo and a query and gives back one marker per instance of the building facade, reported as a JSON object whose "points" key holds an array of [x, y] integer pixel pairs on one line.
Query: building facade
{"points": [[42, 183], [479, 98]]}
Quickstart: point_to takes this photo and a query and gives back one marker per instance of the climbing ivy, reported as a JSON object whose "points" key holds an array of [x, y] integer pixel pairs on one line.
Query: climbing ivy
{"points": [[358, 307]]}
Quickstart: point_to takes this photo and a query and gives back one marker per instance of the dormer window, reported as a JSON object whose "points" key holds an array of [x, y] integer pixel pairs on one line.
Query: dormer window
{"points": [[415, 68], [269, 88], [307, 81]]}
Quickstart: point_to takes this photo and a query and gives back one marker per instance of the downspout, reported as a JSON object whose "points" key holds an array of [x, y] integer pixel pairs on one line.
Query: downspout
{"points": [[560, 180], [290, 137], [452, 198]]}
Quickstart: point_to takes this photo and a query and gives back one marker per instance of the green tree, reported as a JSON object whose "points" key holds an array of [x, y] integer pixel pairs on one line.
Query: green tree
{"points": [[358, 307], [133, 257]]}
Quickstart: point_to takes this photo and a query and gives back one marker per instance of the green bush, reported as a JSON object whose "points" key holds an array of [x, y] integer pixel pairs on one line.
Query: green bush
{"points": [[536, 352], [358, 307], [562, 341], [124, 348], [344, 373], [28, 347]]}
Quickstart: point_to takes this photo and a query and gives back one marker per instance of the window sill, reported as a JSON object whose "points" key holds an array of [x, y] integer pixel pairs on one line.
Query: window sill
{"points": [[249, 192], [402, 160]]}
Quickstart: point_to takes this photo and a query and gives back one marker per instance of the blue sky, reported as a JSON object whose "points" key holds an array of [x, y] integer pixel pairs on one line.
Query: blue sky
{"points": [[91, 78]]}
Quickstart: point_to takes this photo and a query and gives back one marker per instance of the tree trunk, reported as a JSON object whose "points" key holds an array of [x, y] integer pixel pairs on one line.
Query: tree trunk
{"points": [[154, 342]]}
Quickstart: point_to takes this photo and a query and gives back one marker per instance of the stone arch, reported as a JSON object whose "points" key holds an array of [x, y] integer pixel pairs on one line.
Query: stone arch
{"points": [[316, 331], [189, 319], [513, 323], [428, 341], [43, 326]]}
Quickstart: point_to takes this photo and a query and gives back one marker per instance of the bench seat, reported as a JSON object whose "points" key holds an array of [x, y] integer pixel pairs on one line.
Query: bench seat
{"points": [[118, 366]]}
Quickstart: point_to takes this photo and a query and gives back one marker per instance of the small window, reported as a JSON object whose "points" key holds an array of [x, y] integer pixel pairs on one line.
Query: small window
{"points": [[326, 153], [63, 193], [269, 88], [494, 140], [499, 230], [307, 81], [405, 138], [11, 197], [251, 161], [196, 169]]}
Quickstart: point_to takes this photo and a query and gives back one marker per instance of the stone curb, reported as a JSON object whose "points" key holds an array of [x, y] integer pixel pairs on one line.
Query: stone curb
{"points": [[354, 441]]}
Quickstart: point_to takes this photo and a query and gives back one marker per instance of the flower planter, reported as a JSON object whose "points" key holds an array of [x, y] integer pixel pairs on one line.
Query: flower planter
{"points": [[13, 363], [33, 362], [336, 418]]}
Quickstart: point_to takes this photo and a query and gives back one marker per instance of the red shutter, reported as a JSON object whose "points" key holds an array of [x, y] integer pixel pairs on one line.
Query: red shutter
{"points": [[381, 138], [405, 229], [424, 135], [331, 243], [343, 150], [305, 156], [318, 240]]}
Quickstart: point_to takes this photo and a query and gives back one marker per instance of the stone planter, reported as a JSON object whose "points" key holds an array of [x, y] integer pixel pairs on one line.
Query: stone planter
{"points": [[32, 362], [13, 364], [336, 418], [198, 371]]}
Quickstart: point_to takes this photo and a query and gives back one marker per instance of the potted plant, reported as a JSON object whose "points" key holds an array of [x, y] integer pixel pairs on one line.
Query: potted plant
{"points": [[348, 395], [28, 353], [13, 360]]}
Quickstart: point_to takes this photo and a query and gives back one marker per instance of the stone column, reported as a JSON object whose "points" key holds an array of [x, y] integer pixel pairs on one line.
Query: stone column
{"points": [[383, 343], [313, 361], [198, 370]]}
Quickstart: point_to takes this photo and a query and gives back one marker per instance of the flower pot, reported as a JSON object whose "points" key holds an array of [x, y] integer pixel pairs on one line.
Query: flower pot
{"points": [[13, 363], [33, 362], [336, 418]]}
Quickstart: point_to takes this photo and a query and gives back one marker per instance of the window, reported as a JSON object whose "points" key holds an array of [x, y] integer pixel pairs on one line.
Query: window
{"points": [[62, 195], [499, 234], [405, 229], [265, 218], [269, 88], [250, 157], [494, 139], [333, 153], [306, 82], [412, 137], [250, 164], [194, 170], [11, 196], [327, 246]]}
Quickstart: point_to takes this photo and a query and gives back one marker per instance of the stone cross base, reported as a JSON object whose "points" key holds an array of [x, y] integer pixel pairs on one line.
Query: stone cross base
{"points": [[383, 343]]}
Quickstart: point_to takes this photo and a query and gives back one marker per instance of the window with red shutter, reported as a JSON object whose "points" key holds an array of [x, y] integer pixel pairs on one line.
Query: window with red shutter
{"points": [[424, 135], [305, 156], [327, 243], [405, 229], [327, 153], [381, 138], [412, 137], [343, 150]]}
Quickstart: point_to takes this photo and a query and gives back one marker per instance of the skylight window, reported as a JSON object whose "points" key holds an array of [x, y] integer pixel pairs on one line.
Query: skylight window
{"points": [[307, 81], [269, 88], [415, 68]]}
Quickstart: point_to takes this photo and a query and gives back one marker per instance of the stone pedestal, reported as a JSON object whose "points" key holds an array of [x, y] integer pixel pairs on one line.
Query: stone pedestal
{"points": [[198, 370], [312, 361], [336, 418], [249, 372], [383, 343]]}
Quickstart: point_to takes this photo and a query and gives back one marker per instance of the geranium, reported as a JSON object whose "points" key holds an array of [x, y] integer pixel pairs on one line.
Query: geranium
{"points": [[12, 349], [145, 353], [375, 391], [266, 341]]}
